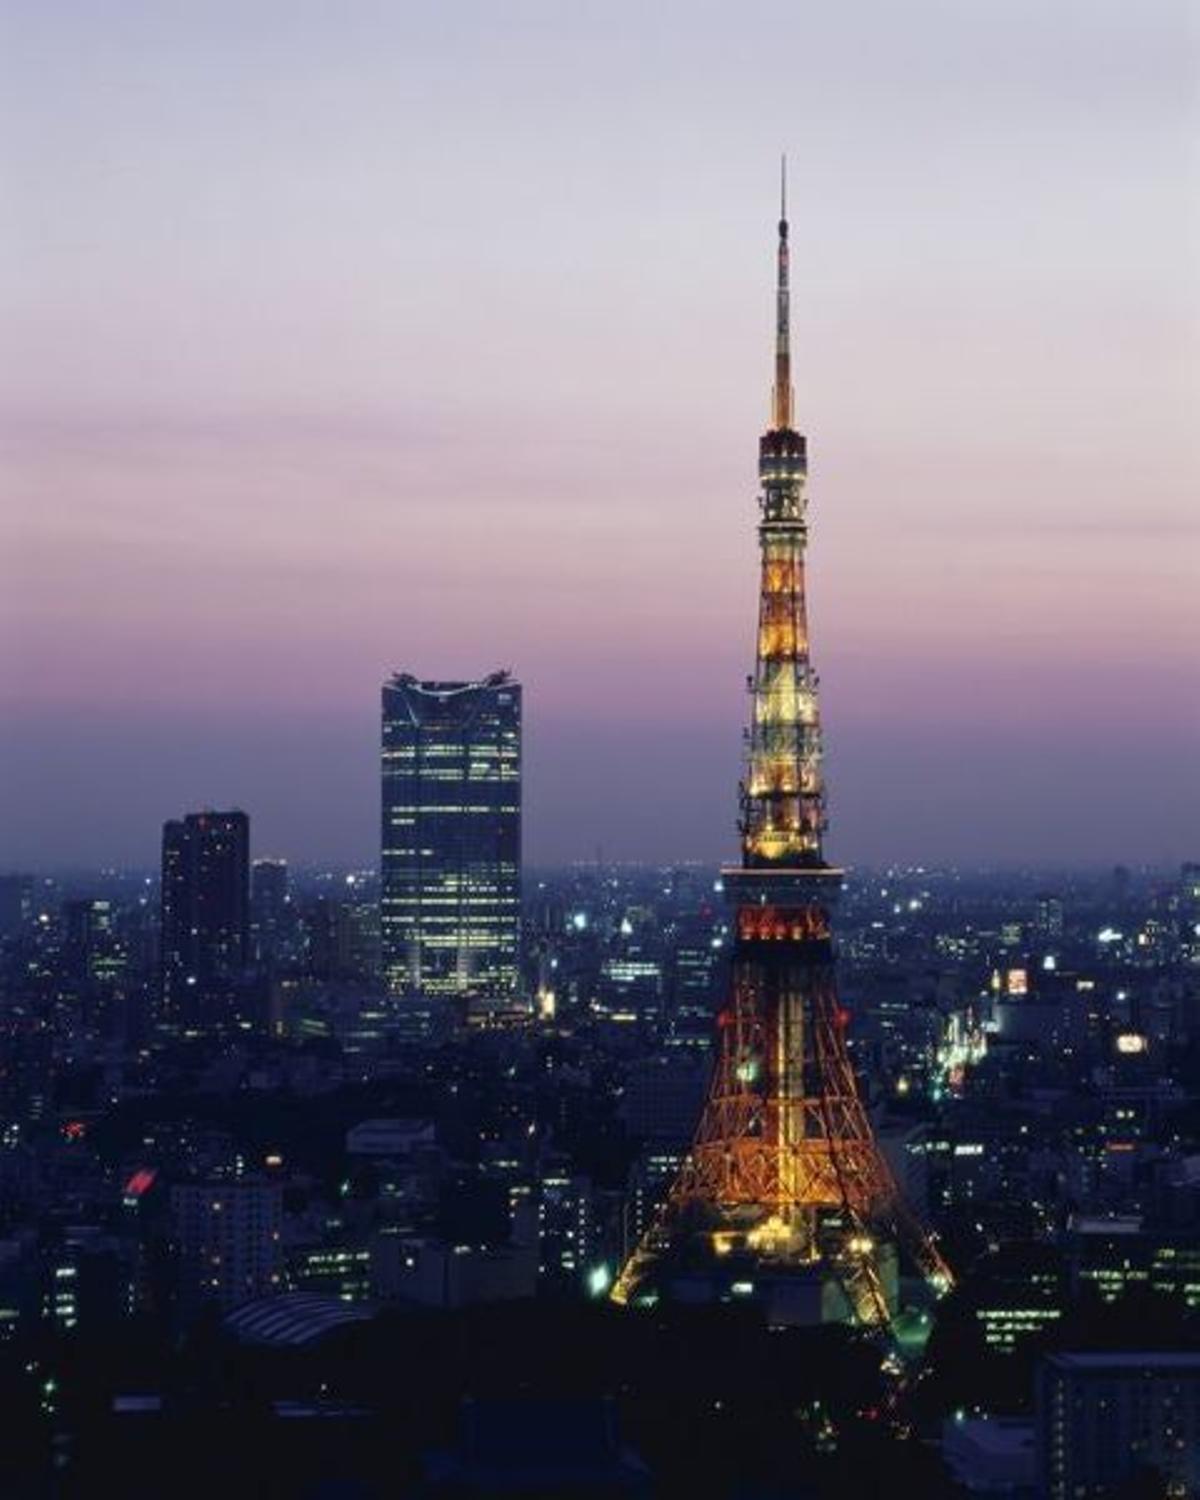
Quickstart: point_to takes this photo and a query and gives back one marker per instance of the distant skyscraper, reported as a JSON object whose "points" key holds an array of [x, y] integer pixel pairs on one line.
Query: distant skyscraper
{"points": [[16, 904], [270, 908], [205, 916], [92, 950], [1189, 888], [95, 961], [341, 939], [1049, 917], [451, 857]]}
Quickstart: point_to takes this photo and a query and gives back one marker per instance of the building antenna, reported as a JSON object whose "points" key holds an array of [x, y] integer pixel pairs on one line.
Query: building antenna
{"points": [[781, 395]]}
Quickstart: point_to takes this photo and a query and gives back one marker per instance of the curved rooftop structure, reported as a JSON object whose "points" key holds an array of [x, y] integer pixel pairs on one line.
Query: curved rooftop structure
{"points": [[293, 1318]]}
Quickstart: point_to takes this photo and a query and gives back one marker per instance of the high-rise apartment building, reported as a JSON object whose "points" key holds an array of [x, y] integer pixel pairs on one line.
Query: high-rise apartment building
{"points": [[205, 917], [1105, 1419], [451, 837], [227, 1241]]}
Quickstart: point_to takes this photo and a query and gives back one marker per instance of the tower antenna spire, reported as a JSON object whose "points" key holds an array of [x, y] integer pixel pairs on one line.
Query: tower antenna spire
{"points": [[781, 396]]}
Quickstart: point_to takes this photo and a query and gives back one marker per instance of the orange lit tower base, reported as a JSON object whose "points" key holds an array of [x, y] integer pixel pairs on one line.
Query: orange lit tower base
{"points": [[785, 1186], [784, 1175]]}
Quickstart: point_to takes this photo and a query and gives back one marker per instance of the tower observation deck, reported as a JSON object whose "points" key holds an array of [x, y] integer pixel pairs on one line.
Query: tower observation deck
{"points": [[785, 1187]]}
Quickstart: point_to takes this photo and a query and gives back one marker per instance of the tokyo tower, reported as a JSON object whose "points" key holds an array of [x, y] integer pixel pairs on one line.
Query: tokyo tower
{"points": [[785, 1193]]}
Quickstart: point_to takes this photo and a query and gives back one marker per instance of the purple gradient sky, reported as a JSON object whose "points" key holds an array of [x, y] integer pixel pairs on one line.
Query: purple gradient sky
{"points": [[345, 338]]}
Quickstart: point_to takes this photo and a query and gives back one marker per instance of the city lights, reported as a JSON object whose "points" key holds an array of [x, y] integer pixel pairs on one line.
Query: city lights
{"points": [[480, 1013]]}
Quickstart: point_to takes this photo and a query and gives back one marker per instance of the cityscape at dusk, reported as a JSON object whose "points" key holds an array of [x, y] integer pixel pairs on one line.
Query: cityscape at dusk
{"points": [[599, 833]]}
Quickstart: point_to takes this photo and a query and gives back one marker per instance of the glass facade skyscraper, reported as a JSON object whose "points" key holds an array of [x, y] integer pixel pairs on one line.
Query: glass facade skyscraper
{"points": [[451, 845]]}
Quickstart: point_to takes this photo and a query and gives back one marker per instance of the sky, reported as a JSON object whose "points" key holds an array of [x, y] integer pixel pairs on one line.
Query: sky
{"points": [[346, 338]]}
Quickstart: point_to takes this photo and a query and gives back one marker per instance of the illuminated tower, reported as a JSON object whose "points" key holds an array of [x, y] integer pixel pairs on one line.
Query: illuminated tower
{"points": [[784, 1182]]}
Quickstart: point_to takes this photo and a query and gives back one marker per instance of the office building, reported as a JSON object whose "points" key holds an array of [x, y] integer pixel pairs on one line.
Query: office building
{"points": [[93, 954], [451, 837]]}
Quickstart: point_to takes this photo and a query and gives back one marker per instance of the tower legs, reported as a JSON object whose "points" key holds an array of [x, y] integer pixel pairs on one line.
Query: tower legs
{"points": [[784, 1173]]}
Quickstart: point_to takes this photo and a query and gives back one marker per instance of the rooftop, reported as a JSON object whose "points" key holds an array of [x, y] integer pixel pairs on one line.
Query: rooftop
{"points": [[1148, 1359], [293, 1318]]}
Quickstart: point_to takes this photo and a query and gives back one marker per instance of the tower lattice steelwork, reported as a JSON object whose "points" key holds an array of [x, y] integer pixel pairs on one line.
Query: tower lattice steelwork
{"points": [[784, 1176]]}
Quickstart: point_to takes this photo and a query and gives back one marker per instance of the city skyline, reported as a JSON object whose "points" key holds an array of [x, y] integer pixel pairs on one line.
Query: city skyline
{"points": [[599, 838], [273, 430]]}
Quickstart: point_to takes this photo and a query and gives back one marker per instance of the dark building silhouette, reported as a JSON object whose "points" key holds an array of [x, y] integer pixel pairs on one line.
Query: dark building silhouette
{"points": [[92, 950], [227, 1240], [95, 963], [451, 837], [341, 939], [16, 904], [205, 918], [270, 909], [538, 1448], [1106, 1418]]}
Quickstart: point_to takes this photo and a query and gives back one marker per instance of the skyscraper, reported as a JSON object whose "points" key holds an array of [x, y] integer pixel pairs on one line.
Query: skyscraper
{"points": [[92, 950], [451, 837], [205, 917], [96, 962]]}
